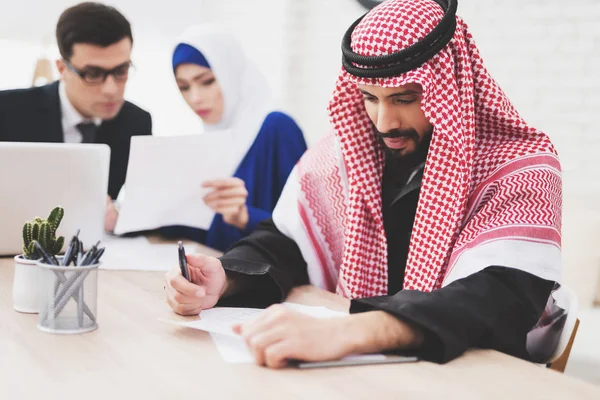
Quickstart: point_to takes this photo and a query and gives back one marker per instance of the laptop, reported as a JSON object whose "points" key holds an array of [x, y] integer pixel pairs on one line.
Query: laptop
{"points": [[36, 177]]}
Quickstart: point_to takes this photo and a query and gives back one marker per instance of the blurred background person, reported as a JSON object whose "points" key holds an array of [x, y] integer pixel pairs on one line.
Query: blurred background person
{"points": [[227, 92], [87, 104]]}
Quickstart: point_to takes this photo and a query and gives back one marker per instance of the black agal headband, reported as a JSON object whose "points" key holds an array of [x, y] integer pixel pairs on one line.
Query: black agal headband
{"points": [[405, 59]]}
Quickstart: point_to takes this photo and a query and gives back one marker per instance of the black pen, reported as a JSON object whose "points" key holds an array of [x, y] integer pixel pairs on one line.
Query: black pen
{"points": [[89, 256], [71, 250], [183, 262], [75, 252], [47, 257], [79, 256], [97, 256]]}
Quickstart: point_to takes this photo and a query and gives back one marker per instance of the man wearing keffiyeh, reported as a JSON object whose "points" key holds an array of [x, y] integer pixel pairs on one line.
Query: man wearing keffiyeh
{"points": [[432, 206]]}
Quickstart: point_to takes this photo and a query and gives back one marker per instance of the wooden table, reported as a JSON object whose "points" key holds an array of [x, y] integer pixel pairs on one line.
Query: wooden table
{"points": [[133, 355]]}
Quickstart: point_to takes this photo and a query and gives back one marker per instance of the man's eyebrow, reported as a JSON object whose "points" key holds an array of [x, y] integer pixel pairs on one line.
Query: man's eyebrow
{"points": [[397, 94], [91, 66]]}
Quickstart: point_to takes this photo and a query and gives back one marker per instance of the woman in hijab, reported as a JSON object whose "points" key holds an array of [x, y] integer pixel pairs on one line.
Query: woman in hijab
{"points": [[228, 93]]}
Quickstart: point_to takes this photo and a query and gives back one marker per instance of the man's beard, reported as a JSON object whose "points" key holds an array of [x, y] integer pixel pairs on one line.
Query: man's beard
{"points": [[415, 157]]}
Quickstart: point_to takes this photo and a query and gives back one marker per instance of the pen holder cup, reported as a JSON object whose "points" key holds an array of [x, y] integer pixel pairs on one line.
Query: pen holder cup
{"points": [[26, 286], [68, 298]]}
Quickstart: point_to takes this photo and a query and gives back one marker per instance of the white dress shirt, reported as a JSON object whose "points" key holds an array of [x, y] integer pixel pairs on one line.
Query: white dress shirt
{"points": [[70, 117]]}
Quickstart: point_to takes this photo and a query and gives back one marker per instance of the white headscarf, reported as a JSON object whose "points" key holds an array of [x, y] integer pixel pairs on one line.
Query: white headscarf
{"points": [[246, 95]]}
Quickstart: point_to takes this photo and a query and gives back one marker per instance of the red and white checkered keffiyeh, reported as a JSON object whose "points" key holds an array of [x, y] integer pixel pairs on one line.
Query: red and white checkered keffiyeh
{"points": [[491, 189]]}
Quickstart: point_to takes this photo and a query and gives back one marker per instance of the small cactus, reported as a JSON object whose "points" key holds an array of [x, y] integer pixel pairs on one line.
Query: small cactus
{"points": [[44, 231], [55, 218]]}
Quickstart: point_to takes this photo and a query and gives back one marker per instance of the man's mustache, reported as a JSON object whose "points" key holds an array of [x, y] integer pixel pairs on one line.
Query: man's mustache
{"points": [[397, 133]]}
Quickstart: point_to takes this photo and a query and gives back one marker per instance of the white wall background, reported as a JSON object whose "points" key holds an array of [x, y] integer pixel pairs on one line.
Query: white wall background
{"points": [[544, 53]]}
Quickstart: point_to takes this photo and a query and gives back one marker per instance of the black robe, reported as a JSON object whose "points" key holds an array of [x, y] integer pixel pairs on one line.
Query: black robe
{"points": [[494, 308]]}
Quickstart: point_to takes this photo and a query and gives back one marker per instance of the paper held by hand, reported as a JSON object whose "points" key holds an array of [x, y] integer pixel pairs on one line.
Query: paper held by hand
{"points": [[164, 179], [219, 322]]}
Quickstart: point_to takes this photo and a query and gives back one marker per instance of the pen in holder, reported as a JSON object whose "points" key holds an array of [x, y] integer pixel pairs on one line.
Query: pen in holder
{"points": [[69, 298]]}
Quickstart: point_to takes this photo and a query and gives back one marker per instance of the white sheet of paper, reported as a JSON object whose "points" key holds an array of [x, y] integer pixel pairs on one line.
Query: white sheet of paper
{"points": [[220, 320], [138, 254], [164, 178], [232, 349]]}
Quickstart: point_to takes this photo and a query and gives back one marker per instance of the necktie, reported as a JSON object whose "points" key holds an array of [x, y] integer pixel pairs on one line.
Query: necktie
{"points": [[88, 132]]}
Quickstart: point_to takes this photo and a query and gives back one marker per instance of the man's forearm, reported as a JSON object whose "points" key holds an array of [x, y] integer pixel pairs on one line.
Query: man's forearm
{"points": [[377, 331], [493, 308]]}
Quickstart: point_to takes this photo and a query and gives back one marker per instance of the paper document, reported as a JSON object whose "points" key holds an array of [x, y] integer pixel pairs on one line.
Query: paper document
{"points": [[232, 349], [164, 179], [220, 320], [138, 254]]}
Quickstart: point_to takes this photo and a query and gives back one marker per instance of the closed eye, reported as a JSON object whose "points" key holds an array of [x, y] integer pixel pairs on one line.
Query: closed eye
{"points": [[403, 101]]}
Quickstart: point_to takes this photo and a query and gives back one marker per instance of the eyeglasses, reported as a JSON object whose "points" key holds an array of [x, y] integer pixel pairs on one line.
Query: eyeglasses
{"points": [[97, 76]]}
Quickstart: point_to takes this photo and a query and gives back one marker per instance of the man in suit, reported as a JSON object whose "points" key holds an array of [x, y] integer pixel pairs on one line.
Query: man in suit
{"points": [[87, 105]]}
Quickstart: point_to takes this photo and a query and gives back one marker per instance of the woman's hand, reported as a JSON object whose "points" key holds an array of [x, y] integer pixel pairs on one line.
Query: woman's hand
{"points": [[228, 199]]}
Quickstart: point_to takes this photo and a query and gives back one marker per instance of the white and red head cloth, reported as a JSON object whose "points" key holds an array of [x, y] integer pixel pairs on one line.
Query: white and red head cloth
{"points": [[491, 190]]}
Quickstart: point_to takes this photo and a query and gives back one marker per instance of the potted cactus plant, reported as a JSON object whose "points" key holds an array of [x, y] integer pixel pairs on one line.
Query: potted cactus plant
{"points": [[27, 275]]}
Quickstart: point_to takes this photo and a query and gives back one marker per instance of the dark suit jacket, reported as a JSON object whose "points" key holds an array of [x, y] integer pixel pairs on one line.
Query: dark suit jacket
{"points": [[34, 115]]}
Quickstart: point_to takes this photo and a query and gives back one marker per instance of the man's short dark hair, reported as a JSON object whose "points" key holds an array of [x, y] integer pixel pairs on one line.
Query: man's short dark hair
{"points": [[92, 23]]}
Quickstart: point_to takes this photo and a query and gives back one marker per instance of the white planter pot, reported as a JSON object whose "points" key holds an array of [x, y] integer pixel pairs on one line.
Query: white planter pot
{"points": [[26, 286]]}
